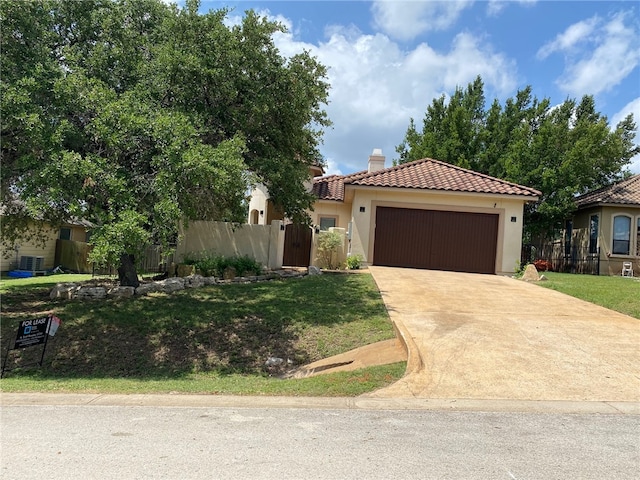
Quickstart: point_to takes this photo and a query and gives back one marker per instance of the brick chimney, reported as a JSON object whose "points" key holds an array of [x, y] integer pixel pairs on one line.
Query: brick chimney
{"points": [[376, 160]]}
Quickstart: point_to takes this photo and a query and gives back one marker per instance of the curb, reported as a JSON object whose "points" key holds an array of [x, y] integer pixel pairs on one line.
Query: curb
{"points": [[329, 403]]}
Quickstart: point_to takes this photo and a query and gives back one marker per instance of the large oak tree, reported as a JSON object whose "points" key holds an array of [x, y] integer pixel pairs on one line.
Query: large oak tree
{"points": [[135, 116]]}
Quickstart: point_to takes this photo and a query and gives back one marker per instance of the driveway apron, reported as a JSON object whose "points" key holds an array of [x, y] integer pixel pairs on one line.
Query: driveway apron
{"points": [[492, 337]]}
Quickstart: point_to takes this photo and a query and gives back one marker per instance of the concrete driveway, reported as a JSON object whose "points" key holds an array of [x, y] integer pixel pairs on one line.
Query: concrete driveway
{"points": [[491, 337]]}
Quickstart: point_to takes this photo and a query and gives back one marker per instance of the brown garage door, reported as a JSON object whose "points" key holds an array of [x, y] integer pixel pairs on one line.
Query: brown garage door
{"points": [[437, 240]]}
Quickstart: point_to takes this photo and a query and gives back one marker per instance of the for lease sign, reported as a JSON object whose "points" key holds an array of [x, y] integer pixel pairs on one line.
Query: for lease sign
{"points": [[32, 332]]}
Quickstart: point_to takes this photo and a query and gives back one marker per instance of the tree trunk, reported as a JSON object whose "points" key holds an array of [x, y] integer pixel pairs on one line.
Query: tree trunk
{"points": [[127, 274]]}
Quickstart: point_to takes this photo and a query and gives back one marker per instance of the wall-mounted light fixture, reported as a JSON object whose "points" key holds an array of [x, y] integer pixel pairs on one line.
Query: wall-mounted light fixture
{"points": [[282, 226], [317, 229], [514, 219], [261, 212], [361, 209]]}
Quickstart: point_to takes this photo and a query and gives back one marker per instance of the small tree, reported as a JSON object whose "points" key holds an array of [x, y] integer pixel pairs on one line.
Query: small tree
{"points": [[328, 244]]}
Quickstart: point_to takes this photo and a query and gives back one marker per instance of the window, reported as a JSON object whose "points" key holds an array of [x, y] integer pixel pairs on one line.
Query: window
{"points": [[621, 235], [638, 239], [568, 233], [593, 234], [327, 222], [65, 233]]}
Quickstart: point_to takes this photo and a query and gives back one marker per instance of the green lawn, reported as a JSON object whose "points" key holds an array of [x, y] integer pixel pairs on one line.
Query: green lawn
{"points": [[209, 340], [617, 293]]}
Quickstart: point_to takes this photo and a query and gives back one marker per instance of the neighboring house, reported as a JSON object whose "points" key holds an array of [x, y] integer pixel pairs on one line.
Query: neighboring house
{"points": [[39, 256], [423, 214], [262, 211], [605, 227]]}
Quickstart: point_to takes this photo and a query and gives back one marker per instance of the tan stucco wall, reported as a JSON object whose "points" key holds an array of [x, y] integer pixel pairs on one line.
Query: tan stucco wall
{"points": [[265, 243], [340, 210], [259, 203], [611, 264], [509, 233], [9, 257]]}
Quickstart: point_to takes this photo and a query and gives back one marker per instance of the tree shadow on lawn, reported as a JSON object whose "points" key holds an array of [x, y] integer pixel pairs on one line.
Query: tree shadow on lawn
{"points": [[225, 329]]}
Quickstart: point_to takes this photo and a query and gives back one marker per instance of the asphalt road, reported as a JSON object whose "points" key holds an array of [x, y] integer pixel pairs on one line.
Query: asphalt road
{"points": [[139, 442]]}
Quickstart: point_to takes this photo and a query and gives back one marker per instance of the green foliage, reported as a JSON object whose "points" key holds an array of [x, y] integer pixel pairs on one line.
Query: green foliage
{"points": [[213, 265], [327, 248], [137, 115], [354, 262], [561, 151]]}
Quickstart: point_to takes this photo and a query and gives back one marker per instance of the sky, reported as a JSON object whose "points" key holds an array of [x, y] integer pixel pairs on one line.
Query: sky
{"points": [[387, 60]]}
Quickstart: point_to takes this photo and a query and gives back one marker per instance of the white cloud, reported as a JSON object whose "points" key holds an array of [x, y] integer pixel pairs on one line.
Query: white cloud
{"points": [[599, 55], [332, 167], [405, 20], [495, 7], [574, 34], [376, 87], [632, 107]]}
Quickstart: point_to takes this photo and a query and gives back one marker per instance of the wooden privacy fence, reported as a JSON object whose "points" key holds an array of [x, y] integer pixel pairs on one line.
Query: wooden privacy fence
{"points": [[74, 256]]}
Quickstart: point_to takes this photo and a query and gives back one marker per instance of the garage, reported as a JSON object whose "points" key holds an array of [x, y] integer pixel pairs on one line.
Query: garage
{"points": [[436, 239]]}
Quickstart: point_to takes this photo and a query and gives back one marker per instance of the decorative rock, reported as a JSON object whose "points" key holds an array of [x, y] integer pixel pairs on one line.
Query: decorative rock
{"points": [[209, 280], [530, 274], [543, 278], [173, 284], [314, 270], [193, 281], [121, 292], [91, 293], [64, 291], [147, 288], [273, 362]]}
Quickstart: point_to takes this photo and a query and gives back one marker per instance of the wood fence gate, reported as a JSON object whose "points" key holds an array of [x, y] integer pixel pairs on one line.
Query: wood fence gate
{"points": [[297, 245]]}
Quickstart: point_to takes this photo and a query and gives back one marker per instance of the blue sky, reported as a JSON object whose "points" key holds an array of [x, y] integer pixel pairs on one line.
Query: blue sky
{"points": [[387, 60]]}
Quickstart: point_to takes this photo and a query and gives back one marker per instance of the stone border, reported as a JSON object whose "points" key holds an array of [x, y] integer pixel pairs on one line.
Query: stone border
{"points": [[71, 291]]}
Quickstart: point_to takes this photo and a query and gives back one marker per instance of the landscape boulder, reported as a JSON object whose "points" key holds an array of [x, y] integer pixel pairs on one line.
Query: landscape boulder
{"points": [[314, 270], [64, 291], [172, 284], [121, 292], [90, 293], [193, 281], [530, 274]]}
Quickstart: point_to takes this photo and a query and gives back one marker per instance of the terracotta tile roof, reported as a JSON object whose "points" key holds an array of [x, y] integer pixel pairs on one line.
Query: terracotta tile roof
{"points": [[332, 187], [425, 174], [626, 192]]}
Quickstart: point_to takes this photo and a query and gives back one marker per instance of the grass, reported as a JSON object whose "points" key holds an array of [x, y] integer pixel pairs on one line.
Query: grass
{"points": [[209, 340], [621, 294]]}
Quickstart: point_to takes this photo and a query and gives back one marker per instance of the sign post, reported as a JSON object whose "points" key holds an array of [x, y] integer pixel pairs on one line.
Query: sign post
{"points": [[32, 333]]}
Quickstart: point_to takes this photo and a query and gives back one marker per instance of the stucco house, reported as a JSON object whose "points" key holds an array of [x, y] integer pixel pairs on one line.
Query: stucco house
{"points": [[39, 255], [606, 227], [423, 214], [426, 214]]}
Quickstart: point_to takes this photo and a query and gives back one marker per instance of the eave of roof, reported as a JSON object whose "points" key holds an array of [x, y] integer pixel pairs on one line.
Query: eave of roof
{"points": [[425, 174], [626, 192]]}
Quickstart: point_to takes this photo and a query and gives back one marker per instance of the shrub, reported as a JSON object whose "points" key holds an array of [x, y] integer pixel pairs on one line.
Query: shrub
{"points": [[328, 243], [211, 264], [354, 262], [543, 265]]}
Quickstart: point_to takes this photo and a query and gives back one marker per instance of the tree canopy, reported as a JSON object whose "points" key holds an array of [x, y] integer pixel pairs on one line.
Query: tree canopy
{"points": [[135, 115], [562, 150]]}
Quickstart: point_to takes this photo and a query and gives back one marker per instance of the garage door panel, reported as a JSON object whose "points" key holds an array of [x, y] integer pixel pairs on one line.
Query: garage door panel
{"points": [[434, 239]]}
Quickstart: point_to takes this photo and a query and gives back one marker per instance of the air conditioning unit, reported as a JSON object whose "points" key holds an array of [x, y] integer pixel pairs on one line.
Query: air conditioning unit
{"points": [[31, 264]]}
